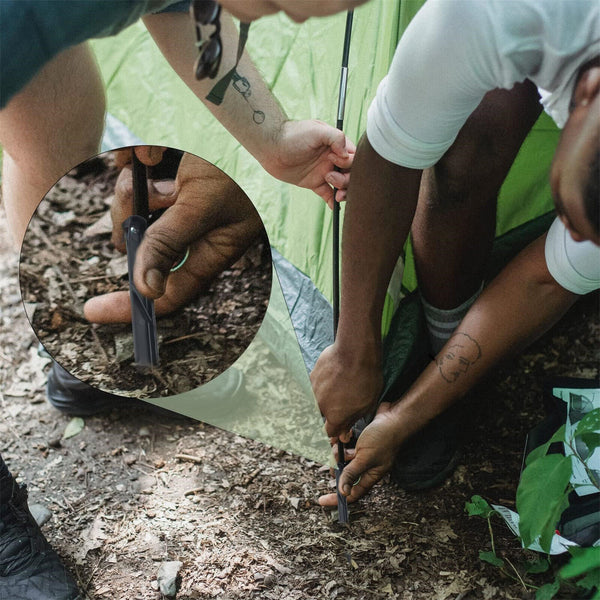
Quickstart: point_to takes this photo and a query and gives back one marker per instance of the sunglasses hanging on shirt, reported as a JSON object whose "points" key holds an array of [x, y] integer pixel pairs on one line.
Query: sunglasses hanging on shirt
{"points": [[208, 12]]}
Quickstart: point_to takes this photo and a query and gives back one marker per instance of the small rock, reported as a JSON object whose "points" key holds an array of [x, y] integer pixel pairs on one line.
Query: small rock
{"points": [[270, 580], [168, 577], [54, 442], [42, 514], [144, 432], [144, 484], [258, 577]]}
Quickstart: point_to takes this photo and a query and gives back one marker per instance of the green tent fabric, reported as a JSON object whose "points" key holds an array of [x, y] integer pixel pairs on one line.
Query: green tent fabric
{"points": [[301, 64]]}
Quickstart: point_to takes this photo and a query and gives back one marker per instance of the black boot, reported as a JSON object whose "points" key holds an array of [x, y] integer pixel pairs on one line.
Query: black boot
{"points": [[73, 397], [29, 568]]}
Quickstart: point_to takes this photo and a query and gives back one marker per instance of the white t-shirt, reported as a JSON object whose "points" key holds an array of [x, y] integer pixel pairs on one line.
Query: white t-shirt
{"points": [[455, 51], [574, 265]]}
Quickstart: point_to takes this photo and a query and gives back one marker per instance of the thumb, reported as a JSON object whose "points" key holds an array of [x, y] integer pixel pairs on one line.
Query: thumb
{"points": [[336, 140], [164, 245], [350, 475], [150, 155]]}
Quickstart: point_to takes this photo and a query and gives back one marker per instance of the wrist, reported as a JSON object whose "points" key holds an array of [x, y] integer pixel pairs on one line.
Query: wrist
{"points": [[269, 152], [359, 351], [360, 339], [406, 419]]}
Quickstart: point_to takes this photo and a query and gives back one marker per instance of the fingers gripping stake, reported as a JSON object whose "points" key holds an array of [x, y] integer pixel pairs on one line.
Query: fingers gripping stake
{"points": [[341, 463], [143, 319]]}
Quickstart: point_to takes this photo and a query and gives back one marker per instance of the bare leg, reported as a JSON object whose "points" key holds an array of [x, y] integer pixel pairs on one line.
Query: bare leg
{"points": [[455, 222], [50, 126]]}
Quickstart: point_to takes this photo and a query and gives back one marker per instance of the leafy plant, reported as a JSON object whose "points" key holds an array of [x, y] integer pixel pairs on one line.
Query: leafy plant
{"points": [[542, 496], [480, 508]]}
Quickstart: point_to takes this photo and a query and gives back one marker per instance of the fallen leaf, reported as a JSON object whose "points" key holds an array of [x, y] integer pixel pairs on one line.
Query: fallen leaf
{"points": [[73, 428]]}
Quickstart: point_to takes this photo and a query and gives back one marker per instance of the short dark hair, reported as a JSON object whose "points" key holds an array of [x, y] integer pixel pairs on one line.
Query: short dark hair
{"points": [[591, 196]]}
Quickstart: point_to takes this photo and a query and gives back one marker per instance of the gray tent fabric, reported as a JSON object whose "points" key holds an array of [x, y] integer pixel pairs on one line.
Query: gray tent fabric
{"points": [[117, 134], [311, 313]]}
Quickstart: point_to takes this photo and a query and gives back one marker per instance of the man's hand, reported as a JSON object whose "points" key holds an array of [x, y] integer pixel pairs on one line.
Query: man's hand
{"points": [[372, 458], [345, 390], [208, 213], [305, 154]]}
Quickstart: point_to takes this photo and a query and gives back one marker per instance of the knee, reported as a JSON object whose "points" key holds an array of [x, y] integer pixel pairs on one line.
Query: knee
{"points": [[471, 172], [86, 129]]}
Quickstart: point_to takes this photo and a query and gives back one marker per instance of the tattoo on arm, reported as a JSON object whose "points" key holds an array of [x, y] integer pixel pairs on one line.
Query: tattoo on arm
{"points": [[242, 85], [461, 351]]}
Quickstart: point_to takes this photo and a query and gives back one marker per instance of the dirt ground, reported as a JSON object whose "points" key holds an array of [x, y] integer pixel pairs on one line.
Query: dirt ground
{"points": [[133, 489], [67, 258]]}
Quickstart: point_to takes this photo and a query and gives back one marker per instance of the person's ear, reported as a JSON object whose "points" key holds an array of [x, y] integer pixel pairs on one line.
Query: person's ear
{"points": [[588, 86]]}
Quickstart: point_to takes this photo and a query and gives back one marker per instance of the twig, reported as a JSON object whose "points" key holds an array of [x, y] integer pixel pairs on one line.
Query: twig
{"points": [[362, 589], [489, 520], [588, 471], [11, 427], [100, 559], [250, 478], [39, 232], [94, 278], [66, 283], [525, 585], [189, 457], [185, 337], [158, 376]]}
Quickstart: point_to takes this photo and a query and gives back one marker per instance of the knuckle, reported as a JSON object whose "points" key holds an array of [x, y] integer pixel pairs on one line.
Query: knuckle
{"points": [[163, 245]]}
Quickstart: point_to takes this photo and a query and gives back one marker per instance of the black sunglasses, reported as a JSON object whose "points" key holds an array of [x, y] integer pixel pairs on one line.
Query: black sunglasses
{"points": [[207, 12]]}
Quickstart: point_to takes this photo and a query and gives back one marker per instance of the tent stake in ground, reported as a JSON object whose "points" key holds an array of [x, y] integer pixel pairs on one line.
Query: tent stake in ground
{"points": [[143, 319], [341, 462]]}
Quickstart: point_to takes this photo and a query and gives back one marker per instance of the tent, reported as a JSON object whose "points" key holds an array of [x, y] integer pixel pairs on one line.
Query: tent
{"points": [[300, 62]]}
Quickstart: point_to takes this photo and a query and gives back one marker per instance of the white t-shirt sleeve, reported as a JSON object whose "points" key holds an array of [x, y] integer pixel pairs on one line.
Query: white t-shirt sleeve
{"points": [[449, 57], [574, 265]]}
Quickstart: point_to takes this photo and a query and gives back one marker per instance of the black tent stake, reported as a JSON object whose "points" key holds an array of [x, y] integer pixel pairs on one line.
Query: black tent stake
{"points": [[143, 319], [341, 463]]}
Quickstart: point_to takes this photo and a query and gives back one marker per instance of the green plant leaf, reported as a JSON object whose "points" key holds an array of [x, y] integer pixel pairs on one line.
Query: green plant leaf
{"points": [[542, 497], [591, 580], [74, 426], [491, 557], [539, 565], [590, 423], [591, 439], [583, 560], [548, 591], [559, 436], [478, 507]]}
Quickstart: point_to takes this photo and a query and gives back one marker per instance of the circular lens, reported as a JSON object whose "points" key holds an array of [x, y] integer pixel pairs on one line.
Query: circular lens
{"points": [[213, 57]]}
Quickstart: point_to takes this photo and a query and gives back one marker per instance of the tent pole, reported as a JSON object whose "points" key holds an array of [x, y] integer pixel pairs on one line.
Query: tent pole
{"points": [[341, 462]]}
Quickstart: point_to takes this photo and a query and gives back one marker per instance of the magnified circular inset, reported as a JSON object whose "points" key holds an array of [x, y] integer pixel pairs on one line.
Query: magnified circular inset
{"points": [[145, 272]]}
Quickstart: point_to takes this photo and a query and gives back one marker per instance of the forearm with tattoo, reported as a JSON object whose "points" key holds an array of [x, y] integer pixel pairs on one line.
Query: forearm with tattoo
{"points": [[459, 353]]}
